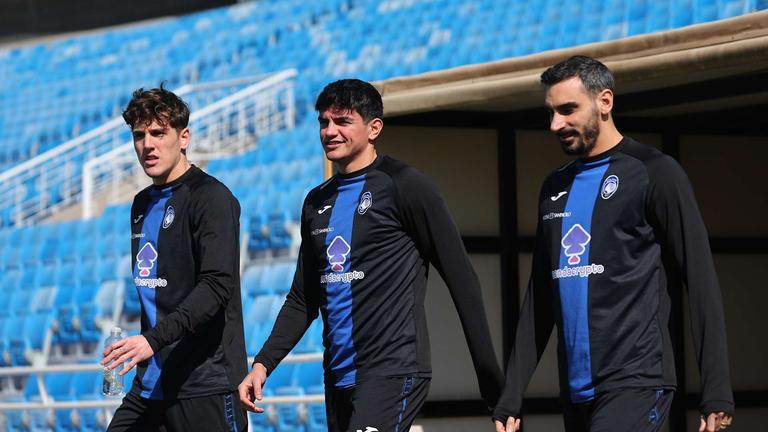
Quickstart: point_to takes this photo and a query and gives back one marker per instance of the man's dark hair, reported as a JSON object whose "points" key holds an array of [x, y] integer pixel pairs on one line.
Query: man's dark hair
{"points": [[352, 94], [595, 76], [157, 104]]}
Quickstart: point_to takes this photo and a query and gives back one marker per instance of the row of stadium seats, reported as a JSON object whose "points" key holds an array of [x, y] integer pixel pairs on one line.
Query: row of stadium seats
{"points": [[60, 387], [56, 90]]}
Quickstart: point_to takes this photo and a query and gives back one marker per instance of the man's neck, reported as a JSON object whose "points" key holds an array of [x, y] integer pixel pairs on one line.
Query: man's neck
{"points": [[175, 173], [359, 162], [608, 139]]}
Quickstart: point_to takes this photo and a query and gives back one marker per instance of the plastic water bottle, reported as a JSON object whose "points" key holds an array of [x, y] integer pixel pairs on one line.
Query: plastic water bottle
{"points": [[113, 386]]}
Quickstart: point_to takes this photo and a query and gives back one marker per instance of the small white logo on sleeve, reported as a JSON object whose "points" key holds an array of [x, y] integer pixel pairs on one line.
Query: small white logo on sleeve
{"points": [[557, 197], [138, 218], [322, 210], [610, 185]]}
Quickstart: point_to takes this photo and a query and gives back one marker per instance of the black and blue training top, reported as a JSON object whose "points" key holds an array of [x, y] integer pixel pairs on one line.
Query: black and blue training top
{"points": [[184, 241], [368, 238], [613, 229]]}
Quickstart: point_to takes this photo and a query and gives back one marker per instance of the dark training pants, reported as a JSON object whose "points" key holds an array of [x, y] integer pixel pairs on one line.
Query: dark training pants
{"points": [[378, 404], [216, 413], [622, 410]]}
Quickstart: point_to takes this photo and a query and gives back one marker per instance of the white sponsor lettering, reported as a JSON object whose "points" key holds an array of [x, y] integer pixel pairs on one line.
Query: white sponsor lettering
{"points": [[551, 215], [321, 231], [150, 282], [582, 271], [342, 277]]}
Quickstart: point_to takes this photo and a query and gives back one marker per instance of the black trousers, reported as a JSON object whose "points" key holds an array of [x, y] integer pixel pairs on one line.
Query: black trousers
{"points": [[377, 404], [215, 413], [629, 409]]}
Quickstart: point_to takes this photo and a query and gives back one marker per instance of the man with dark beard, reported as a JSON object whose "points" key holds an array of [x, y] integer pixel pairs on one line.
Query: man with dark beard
{"points": [[614, 226]]}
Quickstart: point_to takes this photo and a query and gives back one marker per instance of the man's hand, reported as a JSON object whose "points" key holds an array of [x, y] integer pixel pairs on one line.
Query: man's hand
{"points": [[715, 422], [250, 388], [135, 348], [513, 425]]}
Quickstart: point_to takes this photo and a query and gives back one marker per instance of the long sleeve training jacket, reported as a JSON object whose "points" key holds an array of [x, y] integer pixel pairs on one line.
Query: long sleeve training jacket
{"points": [[612, 230], [368, 238], [185, 238]]}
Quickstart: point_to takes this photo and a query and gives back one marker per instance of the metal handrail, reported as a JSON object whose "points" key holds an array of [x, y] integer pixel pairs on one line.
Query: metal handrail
{"points": [[48, 403], [38, 187], [253, 108]]}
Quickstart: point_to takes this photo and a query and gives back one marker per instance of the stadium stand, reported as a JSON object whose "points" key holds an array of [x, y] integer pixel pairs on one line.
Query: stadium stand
{"points": [[65, 283]]}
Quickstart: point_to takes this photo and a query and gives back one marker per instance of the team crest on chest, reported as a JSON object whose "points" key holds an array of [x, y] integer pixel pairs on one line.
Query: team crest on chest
{"points": [[170, 214], [366, 201], [610, 185]]}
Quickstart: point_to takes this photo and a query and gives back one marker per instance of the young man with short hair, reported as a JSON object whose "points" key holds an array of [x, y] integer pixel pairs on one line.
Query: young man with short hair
{"points": [[190, 354], [368, 236]]}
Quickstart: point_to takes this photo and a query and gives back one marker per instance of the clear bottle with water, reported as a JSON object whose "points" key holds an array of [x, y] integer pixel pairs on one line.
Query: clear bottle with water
{"points": [[113, 384]]}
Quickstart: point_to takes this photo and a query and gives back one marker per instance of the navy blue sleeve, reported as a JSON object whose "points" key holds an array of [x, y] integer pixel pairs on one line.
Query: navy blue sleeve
{"points": [[301, 307], [534, 328], [426, 217], [677, 222]]}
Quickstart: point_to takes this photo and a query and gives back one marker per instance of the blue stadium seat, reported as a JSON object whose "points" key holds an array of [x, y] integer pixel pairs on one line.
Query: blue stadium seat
{"points": [[251, 280], [39, 420], [310, 377], [45, 275], [263, 308], [278, 277], [682, 13], [258, 232], [31, 336], [59, 387], [260, 422], [284, 375], [704, 10], [87, 386], [15, 420], [732, 8], [257, 335], [278, 223], [658, 18], [288, 418]]}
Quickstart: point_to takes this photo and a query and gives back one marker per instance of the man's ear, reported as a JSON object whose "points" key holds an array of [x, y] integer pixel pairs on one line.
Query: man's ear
{"points": [[374, 128], [184, 137], [605, 102]]}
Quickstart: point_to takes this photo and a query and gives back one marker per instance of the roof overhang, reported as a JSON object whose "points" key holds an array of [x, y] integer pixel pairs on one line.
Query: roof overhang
{"points": [[695, 54]]}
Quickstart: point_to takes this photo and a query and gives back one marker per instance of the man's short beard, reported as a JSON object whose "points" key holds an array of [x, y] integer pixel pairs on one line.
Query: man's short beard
{"points": [[586, 141]]}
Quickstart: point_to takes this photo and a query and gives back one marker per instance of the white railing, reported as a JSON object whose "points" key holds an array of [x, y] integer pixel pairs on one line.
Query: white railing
{"points": [[234, 113], [47, 403]]}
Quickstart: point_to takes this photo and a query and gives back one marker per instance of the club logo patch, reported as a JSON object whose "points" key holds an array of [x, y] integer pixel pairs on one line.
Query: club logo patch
{"points": [[366, 201], [170, 214], [610, 185]]}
